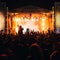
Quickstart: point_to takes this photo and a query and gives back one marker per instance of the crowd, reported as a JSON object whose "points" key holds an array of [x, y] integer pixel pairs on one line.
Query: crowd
{"points": [[30, 46]]}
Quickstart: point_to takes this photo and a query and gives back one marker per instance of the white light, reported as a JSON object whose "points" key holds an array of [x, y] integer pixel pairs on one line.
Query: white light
{"points": [[31, 26], [17, 19], [16, 29], [43, 19], [43, 24], [43, 28]]}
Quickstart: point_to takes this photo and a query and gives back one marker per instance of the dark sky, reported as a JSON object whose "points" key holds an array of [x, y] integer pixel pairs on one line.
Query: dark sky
{"points": [[12, 4]]}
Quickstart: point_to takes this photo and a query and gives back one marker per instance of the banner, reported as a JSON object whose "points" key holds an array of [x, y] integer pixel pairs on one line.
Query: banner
{"points": [[2, 16], [57, 17]]}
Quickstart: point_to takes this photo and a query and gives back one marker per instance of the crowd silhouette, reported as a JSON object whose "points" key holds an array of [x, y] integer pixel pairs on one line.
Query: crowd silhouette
{"points": [[30, 46]]}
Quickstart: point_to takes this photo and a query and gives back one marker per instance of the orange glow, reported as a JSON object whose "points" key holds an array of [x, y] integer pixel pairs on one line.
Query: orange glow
{"points": [[43, 19], [43, 24], [26, 23], [16, 30], [38, 23]]}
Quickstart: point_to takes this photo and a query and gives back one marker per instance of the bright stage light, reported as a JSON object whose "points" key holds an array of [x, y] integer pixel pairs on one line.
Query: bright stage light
{"points": [[43, 24], [31, 25], [16, 30], [43, 28], [43, 19], [26, 23], [40, 24], [17, 19]]}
